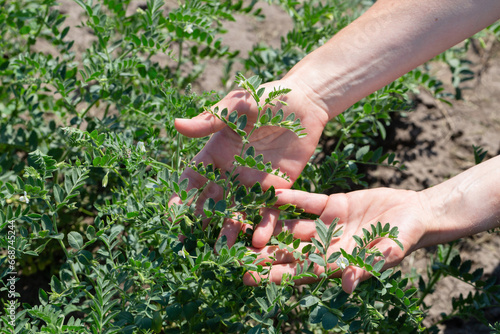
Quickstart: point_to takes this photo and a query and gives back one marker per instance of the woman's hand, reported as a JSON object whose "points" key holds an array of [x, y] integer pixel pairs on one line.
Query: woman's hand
{"points": [[356, 210], [278, 145]]}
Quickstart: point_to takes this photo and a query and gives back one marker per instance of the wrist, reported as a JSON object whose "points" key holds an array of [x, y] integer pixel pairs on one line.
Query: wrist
{"points": [[323, 89], [304, 101], [434, 212], [466, 204]]}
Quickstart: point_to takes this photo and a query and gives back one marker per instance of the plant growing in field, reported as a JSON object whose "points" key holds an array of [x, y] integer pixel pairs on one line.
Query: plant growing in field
{"points": [[89, 159]]}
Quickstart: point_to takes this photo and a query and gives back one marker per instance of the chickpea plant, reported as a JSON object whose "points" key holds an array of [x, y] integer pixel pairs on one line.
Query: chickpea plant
{"points": [[89, 158]]}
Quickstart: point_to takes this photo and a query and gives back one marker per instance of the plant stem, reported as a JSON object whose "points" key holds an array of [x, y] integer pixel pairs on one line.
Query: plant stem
{"points": [[66, 253], [345, 130], [87, 110], [436, 277]]}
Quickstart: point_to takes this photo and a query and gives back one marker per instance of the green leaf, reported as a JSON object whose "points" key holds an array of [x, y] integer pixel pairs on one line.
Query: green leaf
{"points": [[56, 285], [355, 326], [333, 257], [190, 310], [260, 92], [255, 81], [350, 313], [136, 40], [220, 206], [306, 248], [58, 193], [318, 245], [90, 232], [242, 122], [220, 243], [316, 315], [386, 274], [322, 231], [232, 118], [367, 108], [152, 73], [329, 321], [358, 240], [262, 303], [317, 259], [250, 152], [255, 330], [250, 161], [361, 152], [10, 188], [85, 257], [271, 292], [58, 236], [309, 301], [278, 117], [25, 30], [32, 253], [173, 311], [75, 240], [42, 295]]}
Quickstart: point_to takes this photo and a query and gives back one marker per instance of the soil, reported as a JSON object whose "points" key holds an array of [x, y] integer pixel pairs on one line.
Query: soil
{"points": [[434, 141]]}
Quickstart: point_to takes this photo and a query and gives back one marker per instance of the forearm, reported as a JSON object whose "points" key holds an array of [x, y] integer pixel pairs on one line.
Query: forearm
{"points": [[466, 204], [390, 39]]}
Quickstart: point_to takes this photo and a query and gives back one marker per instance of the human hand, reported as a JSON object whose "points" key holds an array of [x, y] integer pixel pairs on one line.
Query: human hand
{"points": [[280, 146], [356, 210]]}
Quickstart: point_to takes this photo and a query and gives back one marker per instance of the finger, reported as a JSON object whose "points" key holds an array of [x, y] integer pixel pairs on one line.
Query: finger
{"points": [[279, 272], [274, 255], [200, 126], [312, 203], [264, 230], [206, 123], [303, 229], [309, 202], [351, 277], [230, 229]]}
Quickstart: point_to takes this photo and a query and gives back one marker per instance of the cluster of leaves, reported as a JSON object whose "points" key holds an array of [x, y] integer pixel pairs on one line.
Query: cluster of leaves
{"points": [[89, 160], [448, 263]]}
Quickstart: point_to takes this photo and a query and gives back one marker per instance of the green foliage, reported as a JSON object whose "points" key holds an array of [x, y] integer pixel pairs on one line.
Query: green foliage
{"points": [[89, 159]]}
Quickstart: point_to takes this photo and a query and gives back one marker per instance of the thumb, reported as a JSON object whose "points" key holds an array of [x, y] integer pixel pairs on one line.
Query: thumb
{"points": [[200, 126]]}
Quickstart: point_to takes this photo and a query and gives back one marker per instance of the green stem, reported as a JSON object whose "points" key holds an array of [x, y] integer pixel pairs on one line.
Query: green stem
{"points": [[87, 212], [436, 277], [87, 110], [179, 61], [46, 14], [176, 161], [320, 284], [345, 130], [160, 164], [63, 247]]}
